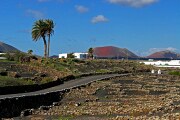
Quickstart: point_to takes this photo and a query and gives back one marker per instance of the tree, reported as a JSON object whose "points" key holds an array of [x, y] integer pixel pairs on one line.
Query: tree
{"points": [[30, 52], [39, 31], [90, 53], [70, 55], [49, 31]]}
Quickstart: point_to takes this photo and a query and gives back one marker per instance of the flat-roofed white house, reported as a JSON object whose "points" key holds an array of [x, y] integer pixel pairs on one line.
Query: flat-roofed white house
{"points": [[77, 55], [171, 63], [63, 55]]}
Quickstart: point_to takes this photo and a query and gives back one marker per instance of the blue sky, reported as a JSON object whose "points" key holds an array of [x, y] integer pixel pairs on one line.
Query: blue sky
{"points": [[142, 26]]}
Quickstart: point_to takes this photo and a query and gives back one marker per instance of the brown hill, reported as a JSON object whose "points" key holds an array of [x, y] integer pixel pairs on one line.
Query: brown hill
{"points": [[6, 48], [164, 54], [113, 52]]}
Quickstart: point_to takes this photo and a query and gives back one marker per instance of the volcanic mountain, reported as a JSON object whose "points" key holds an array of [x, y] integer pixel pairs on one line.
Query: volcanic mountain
{"points": [[6, 48], [164, 55], [113, 52]]}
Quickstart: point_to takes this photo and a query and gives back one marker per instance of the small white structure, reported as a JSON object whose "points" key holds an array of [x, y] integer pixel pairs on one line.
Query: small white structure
{"points": [[2, 53], [64, 55], [77, 55], [2, 58], [152, 71], [159, 71], [171, 63], [81, 55]]}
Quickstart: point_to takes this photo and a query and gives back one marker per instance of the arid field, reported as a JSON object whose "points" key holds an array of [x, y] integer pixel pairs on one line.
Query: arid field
{"points": [[142, 96]]}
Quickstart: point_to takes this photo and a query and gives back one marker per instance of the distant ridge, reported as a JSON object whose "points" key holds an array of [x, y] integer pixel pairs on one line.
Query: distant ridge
{"points": [[7, 48], [164, 55], [54, 56], [113, 52]]}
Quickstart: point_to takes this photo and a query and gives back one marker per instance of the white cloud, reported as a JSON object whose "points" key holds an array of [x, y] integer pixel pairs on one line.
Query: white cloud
{"points": [[133, 3], [152, 50], [99, 18], [81, 9], [35, 13]]}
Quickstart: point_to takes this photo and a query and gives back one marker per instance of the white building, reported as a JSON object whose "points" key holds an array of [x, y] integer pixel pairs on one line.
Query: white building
{"points": [[77, 55], [81, 55], [171, 63], [2, 58], [2, 53], [63, 55]]}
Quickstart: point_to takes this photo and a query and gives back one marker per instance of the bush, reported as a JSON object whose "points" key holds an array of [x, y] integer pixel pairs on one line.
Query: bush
{"points": [[9, 57], [70, 55], [102, 71], [15, 56], [174, 73], [9, 81], [46, 80]]}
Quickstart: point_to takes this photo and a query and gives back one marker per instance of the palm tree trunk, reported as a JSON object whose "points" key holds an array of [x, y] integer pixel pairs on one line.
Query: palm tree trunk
{"points": [[45, 47], [48, 44]]}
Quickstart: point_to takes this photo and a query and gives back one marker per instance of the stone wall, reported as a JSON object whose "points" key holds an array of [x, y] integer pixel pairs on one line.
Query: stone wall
{"points": [[12, 107]]}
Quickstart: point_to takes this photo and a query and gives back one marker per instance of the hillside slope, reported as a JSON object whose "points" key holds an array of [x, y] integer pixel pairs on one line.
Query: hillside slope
{"points": [[113, 52], [6, 48], [164, 54]]}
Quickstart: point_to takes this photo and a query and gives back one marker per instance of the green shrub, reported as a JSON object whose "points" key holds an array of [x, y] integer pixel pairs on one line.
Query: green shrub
{"points": [[70, 55], [65, 118], [102, 71], [9, 57], [16, 56], [78, 61], [46, 80], [9, 81], [174, 73]]}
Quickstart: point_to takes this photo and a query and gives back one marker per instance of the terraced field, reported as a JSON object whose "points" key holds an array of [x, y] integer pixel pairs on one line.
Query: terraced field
{"points": [[138, 96]]}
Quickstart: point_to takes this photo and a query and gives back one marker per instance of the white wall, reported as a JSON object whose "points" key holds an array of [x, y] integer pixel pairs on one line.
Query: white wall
{"points": [[2, 58], [64, 55], [77, 55], [171, 63], [80, 55]]}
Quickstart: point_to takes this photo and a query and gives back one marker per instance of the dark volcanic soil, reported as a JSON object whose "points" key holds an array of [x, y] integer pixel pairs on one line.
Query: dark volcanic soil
{"points": [[139, 96]]}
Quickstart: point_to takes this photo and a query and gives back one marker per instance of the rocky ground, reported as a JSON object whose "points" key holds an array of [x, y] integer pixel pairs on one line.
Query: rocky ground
{"points": [[134, 97]]}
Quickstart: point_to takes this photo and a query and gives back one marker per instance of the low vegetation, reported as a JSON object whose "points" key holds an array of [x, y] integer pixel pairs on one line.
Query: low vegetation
{"points": [[78, 67], [10, 81], [19, 71], [174, 73]]}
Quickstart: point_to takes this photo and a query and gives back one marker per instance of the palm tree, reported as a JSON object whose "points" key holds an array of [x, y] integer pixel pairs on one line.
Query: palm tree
{"points": [[30, 52], [90, 53], [39, 31], [49, 31]]}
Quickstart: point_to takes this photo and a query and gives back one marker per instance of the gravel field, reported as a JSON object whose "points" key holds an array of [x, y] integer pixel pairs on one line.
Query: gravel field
{"points": [[134, 97]]}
